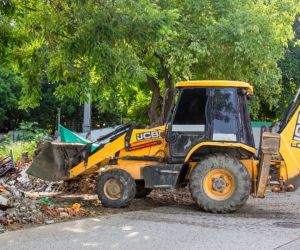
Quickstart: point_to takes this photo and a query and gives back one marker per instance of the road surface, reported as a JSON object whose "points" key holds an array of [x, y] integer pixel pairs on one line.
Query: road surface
{"points": [[271, 223]]}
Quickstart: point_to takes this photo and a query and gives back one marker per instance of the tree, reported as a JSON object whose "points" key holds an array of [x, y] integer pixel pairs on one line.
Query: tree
{"points": [[10, 90], [82, 48], [124, 51], [290, 67], [237, 40], [45, 115]]}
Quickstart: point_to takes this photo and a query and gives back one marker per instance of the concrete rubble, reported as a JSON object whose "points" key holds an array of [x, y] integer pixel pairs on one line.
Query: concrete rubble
{"points": [[25, 200], [16, 205], [21, 197]]}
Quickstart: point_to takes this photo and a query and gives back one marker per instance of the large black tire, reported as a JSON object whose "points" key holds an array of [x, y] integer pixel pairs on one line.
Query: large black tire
{"points": [[127, 185], [141, 191], [238, 177]]}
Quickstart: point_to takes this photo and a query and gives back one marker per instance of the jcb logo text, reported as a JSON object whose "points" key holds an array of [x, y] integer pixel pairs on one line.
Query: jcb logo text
{"points": [[147, 135]]}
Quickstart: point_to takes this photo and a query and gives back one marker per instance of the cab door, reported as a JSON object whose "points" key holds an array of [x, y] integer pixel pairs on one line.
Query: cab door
{"points": [[188, 125]]}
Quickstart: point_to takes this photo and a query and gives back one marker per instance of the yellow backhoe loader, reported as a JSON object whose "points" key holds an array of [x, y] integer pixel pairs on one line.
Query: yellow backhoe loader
{"points": [[207, 144]]}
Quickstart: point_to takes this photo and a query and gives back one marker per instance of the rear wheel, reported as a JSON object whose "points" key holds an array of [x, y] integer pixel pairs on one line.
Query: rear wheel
{"points": [[116, 188], [220, 184]]}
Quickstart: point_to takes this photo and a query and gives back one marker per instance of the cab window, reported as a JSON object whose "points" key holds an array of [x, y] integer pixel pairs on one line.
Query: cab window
{"points": [[190, 113]]}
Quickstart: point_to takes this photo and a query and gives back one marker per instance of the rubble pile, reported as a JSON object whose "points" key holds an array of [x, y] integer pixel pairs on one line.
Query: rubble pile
{"points": [[83, 185], [54, 212], [16, 208], [21, 181], [24, 211], [26, 200], [19, 202]]}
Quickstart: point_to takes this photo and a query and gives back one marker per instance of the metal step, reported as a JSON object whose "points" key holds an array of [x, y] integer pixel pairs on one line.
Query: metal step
{"points": [[161, 176]]}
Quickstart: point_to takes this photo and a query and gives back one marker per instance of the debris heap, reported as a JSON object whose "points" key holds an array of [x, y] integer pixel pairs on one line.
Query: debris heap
{"points": [[15, 207], [83, 185], [20, 205]]}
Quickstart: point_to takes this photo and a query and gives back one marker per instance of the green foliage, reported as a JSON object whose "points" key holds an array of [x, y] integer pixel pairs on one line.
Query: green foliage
{"points": [[29, 131], [10, 91], [45, 114], [240, 40], [30, 135], [138, 109], [290, 67], [110, 49], [18, 149]]}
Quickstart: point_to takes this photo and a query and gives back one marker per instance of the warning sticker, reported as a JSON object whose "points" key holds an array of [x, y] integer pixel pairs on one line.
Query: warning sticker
{"points": [[297, 130]]}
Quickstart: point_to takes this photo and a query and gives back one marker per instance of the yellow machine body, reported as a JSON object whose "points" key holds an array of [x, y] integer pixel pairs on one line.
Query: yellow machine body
{"points": [[136, 150], [290, 148], [102, 157], [151, 144]]}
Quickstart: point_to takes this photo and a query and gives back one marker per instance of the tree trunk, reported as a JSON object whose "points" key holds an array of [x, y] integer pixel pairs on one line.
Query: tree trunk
{"points": [[169, 96], [154, 117], [159, 110]]}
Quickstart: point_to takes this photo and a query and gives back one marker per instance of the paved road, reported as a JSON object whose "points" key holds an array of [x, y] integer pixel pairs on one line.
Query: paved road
{"points": [[273, 223]]}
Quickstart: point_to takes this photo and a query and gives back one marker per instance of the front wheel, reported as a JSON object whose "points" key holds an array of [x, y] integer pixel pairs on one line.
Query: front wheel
{"points": [[220, 184], [116, 188]]}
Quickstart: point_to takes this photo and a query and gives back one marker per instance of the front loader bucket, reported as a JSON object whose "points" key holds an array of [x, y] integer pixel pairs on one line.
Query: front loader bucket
{"points": [[55, 160]]}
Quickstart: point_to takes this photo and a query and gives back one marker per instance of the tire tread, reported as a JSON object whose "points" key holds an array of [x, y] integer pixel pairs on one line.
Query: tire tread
{"points": [[127, 181], [241, 175]]}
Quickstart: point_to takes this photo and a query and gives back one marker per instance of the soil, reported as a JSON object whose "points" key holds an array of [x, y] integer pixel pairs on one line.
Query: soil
{"points": [[275, 205]]}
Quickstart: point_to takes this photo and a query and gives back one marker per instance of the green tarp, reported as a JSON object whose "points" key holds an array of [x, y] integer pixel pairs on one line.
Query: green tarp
{"points": [[68, 136]]}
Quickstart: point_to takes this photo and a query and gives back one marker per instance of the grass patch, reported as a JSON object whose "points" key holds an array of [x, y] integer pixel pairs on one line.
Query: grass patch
{"points": [[18, 148]]}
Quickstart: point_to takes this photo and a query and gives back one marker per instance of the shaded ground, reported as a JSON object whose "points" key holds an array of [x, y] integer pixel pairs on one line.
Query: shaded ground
{"points": [[285, 206], [24, 194], [169, 220]]}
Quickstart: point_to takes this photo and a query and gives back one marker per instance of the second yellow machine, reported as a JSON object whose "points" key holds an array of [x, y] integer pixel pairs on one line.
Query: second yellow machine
{"points": [[207, 144]]}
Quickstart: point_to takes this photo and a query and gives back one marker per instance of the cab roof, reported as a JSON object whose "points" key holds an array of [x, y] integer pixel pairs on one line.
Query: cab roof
{"points": [[216, 83]]}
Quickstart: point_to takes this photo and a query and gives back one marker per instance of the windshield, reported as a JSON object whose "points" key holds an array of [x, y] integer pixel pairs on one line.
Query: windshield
{"points": [[224, 114]]}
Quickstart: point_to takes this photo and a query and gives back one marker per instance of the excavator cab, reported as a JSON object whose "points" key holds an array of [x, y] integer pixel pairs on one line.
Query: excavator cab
{"points": [[208, 114]]}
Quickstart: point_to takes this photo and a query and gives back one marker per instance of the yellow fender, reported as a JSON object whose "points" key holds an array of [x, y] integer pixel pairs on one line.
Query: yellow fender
{"points": [[219, 144]]}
